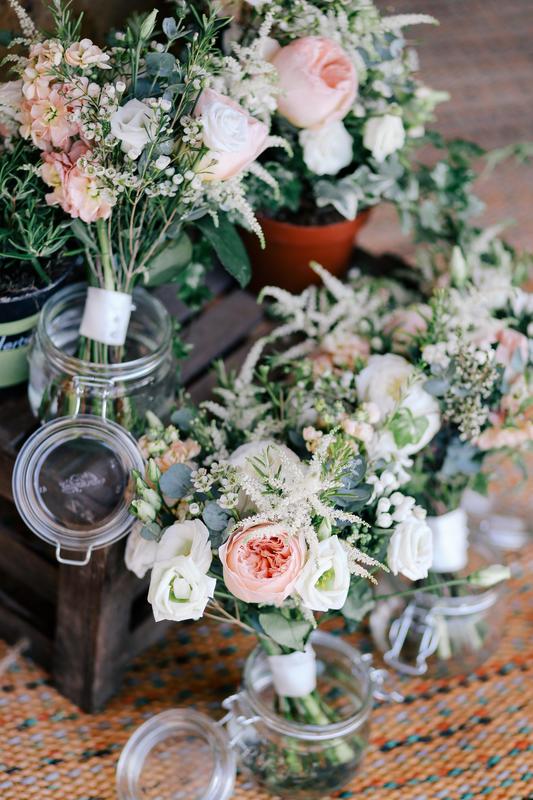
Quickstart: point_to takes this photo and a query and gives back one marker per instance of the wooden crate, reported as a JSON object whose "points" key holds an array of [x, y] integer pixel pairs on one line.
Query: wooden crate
{"points": [[85, 624]]}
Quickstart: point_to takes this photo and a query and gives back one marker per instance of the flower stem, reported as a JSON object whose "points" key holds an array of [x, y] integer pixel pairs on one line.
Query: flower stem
{"points": [[105, 255]]}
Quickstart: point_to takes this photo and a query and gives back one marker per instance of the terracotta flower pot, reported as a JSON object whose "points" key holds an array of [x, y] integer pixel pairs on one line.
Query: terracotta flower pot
{"points": [[289, 248]]}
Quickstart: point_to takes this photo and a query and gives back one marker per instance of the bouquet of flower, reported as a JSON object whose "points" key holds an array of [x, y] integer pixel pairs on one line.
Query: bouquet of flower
{"points": [[134, 145], [260, 509], [347, 101]]}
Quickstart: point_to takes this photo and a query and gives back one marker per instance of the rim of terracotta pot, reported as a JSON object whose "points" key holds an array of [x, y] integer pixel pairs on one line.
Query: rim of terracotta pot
{"points": [[361, 217]]}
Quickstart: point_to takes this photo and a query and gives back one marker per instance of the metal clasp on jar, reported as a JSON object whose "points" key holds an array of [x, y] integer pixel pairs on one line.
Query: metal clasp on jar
{"points": [[422, 622], [383, 683]]}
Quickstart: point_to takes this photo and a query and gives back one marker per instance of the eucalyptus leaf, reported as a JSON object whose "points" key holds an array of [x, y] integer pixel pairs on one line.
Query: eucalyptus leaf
{"points": [[288, 633], [228, 246], [151, 531], [358, 603], [160, 65], [183, 418], [176, 481], [437, 386], [215, 517], [170, 28]]}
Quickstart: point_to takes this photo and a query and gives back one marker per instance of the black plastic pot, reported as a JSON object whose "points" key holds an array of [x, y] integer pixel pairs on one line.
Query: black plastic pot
{"points": [[18, 317]]}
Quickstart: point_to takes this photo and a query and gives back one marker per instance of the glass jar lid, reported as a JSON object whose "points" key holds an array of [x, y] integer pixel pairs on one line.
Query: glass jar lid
{"points": [[72, 484], [177, 755]]}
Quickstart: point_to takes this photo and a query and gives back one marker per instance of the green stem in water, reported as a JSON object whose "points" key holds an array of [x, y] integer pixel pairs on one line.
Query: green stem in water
{"points": [[105, 255]]}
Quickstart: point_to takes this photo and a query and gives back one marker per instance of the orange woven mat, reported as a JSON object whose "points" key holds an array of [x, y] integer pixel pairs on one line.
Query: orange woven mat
{"points": [[465, 738]]}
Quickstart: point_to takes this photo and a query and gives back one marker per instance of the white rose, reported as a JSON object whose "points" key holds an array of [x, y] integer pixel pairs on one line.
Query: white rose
{"points": [[243, 458], [180, 588], [391, 383], [133, 124], [383, 135], [325, 578], [10, 98], [410, 550], [140, 553], [327, 149]]}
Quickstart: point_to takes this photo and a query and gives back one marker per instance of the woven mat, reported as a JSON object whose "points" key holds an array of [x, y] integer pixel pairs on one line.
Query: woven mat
{"points": [[465, 738]]}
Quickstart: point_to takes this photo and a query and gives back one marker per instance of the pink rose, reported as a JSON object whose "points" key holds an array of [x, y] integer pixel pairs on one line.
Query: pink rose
{"points": [[233, 137], [262, 562], [512, 347], [317, 79]]}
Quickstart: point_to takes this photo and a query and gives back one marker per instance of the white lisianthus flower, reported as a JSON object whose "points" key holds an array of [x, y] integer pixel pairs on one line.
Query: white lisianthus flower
{"points": [[243, 458], [410, 550], [394, 386], [180, 588], [383, 135], [140, 553], [133, 124], [327, 149], [325, 578]]}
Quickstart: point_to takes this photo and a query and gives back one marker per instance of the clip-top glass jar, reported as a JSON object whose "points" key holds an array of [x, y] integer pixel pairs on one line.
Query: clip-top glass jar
{"points": [[72, 485], [441, 635], [123, 384], [290, 760]]}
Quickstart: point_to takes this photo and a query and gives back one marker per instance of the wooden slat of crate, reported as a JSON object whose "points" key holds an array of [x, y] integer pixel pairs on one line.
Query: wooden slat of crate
{"points": [[96, 618]]}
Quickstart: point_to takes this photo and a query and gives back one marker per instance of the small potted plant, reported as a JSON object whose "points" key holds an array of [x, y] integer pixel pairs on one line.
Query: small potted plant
{"points": [[349, 106], [34, 257]]}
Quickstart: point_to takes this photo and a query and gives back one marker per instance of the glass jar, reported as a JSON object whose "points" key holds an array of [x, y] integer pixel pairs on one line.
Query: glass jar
{"points": [[441, 635], [72, 485], [289, 760], [129, 381]]}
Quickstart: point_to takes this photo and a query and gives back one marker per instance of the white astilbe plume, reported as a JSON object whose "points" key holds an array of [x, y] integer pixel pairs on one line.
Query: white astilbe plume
{"points": [[399, 21], [26, 23]]}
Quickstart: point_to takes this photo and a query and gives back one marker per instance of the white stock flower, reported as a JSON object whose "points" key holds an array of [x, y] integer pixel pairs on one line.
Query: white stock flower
{"points": [[133, 124], [384, 135], [325, 579], [180, 588], [394, 385], [140, 553], [410, 550], [327, 149], [10, 98]]}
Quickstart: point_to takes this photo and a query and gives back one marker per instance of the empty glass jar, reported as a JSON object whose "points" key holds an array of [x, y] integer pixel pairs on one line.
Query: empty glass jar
{"points": [[441, 635], [183, 755], [123, 384]]}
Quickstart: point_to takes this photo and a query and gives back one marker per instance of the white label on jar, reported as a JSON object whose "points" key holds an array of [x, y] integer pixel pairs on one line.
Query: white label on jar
{"points": [[450, 541], [294, 675], [106, 316]]}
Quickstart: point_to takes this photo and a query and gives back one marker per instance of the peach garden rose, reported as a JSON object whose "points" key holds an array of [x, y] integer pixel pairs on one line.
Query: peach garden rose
{"points": [[262, 562], [318, 81]]}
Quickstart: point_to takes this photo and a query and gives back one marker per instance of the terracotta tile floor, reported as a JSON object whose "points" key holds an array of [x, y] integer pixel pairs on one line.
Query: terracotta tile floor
{"points": [[482, 53]]}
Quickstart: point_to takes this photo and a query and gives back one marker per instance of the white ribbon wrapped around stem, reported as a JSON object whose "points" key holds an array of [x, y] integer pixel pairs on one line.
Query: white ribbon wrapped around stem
{"points": [[450, 541], [106, 316], [294, 675]]}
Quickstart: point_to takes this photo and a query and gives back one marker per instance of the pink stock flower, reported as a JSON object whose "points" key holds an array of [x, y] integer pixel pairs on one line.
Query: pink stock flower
{"points": [[76, 192], [262, 562], [85, 54], [48, 121], [404, 323], [317, 79]]}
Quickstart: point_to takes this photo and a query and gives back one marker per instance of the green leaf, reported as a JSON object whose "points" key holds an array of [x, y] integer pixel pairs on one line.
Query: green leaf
{"points": [[358, 603], [215, 517], [168, 262], [353, 499], [292, 634], [183, 417], [228, 246], [176, 481], [160, 65], [79, 229], [151, 531], [406, 428], [170, 28]]}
